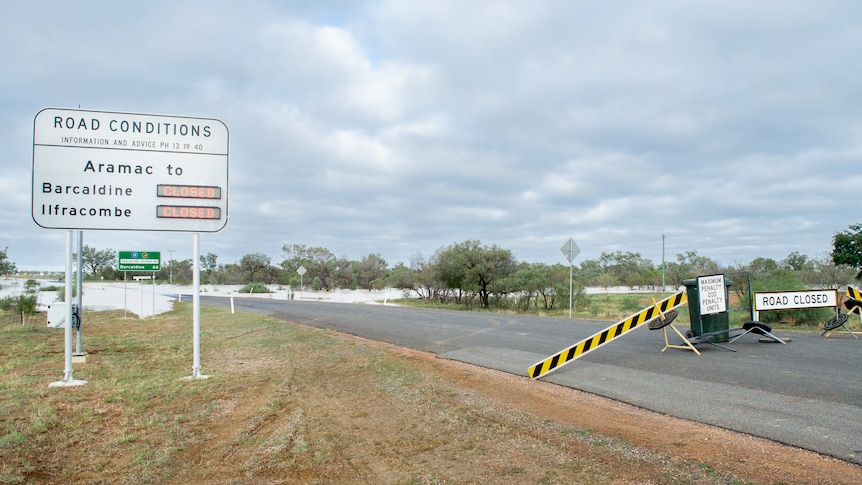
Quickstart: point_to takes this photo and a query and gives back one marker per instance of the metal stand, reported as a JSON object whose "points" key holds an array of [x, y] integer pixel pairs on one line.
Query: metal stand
{"points": [[196, 311], [688, 345], [710, 342], [757, 328], [665, 320], [68, 379]]}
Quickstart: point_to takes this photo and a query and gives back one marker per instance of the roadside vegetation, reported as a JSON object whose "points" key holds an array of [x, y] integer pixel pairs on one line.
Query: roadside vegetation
{"points": [[473, 276]]}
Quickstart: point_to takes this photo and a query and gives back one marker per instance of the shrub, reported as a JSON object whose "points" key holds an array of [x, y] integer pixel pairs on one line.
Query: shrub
{"points": [[254, 288], [24, 305]]}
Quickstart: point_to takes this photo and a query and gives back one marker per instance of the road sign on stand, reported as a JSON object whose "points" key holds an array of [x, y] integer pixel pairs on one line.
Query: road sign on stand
{"points": [[129, 171]]}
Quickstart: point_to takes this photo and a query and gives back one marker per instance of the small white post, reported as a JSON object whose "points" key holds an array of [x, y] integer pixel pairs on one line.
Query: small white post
{"points": [[141, 283]]}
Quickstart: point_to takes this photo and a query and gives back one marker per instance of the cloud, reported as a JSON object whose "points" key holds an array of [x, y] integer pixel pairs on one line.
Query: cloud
{"points": [[399, 127]]}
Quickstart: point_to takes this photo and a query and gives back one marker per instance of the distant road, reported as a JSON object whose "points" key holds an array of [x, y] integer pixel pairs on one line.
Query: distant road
{"points": [[807, 393]]}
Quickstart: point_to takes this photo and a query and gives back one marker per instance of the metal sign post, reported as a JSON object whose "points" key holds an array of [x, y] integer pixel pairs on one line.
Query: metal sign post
{"points": [[80, 283], [196, 310], [301, 270], [68, 380], [570, 250]]}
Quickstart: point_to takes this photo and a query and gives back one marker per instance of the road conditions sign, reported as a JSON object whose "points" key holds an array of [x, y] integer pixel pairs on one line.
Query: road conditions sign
{"points": [[127, 171], [788, 300], [139, 261]]}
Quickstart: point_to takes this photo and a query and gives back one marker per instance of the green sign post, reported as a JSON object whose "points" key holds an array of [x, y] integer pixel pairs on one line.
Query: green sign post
{"points": [[139, 261]]}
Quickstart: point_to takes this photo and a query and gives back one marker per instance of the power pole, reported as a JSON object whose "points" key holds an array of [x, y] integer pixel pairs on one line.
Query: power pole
{"points": [[171, 267], [662, 262]]}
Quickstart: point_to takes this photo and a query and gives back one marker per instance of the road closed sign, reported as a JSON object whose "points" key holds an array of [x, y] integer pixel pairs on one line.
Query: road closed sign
{"points": [[790, 300], [128, 171]]}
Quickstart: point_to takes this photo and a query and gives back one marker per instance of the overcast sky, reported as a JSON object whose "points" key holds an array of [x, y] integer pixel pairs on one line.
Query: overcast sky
{"points": [[398, 127]]}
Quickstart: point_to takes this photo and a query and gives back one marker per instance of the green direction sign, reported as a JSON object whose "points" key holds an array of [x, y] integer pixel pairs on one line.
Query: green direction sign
{"points": [[139, 261]]}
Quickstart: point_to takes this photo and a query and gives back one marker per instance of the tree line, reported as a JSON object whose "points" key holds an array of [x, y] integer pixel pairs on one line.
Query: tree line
{"points": [[476, 275]]}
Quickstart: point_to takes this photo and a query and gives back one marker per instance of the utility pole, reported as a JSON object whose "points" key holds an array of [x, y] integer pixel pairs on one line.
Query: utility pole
{"points": [[662, 262], [171, 267]]}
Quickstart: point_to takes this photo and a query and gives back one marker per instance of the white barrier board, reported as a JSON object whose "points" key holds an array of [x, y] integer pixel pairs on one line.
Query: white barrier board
{"points": [[788, 300]]}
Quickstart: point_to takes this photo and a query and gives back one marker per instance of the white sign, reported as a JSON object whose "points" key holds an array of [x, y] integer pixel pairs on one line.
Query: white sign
{"points": [[787, 300], [128, 171], [712, 294], [570, 250]]}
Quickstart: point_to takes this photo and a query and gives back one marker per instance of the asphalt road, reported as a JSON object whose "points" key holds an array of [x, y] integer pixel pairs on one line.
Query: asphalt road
{"points": [[807, 393]]}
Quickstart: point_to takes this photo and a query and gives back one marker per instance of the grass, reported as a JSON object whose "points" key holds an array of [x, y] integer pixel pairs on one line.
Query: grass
{"points": [[134, 415]]}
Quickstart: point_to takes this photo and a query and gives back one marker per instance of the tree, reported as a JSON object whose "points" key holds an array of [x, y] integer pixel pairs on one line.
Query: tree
{"points": [[401, 277], [473, 268], [847, 248], [23, 304], [252, 265], [762, 267], [372, 267], [184, 270], [209, 263], [797, 261], [525, 282], [690, 265], [96, 260], [629, 269], [319, 263], [826, 274], [344, 273], [606, 280], [6, 267], [425, 281], [588, 271]]}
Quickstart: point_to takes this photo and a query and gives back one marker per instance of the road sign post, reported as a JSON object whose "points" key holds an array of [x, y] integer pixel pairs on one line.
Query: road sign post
{"points": [[301, 270], [570, 250]]}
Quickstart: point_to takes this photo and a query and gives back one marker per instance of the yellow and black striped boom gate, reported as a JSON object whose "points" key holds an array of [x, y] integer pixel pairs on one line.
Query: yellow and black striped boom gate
{"points": [[563, 357]]}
